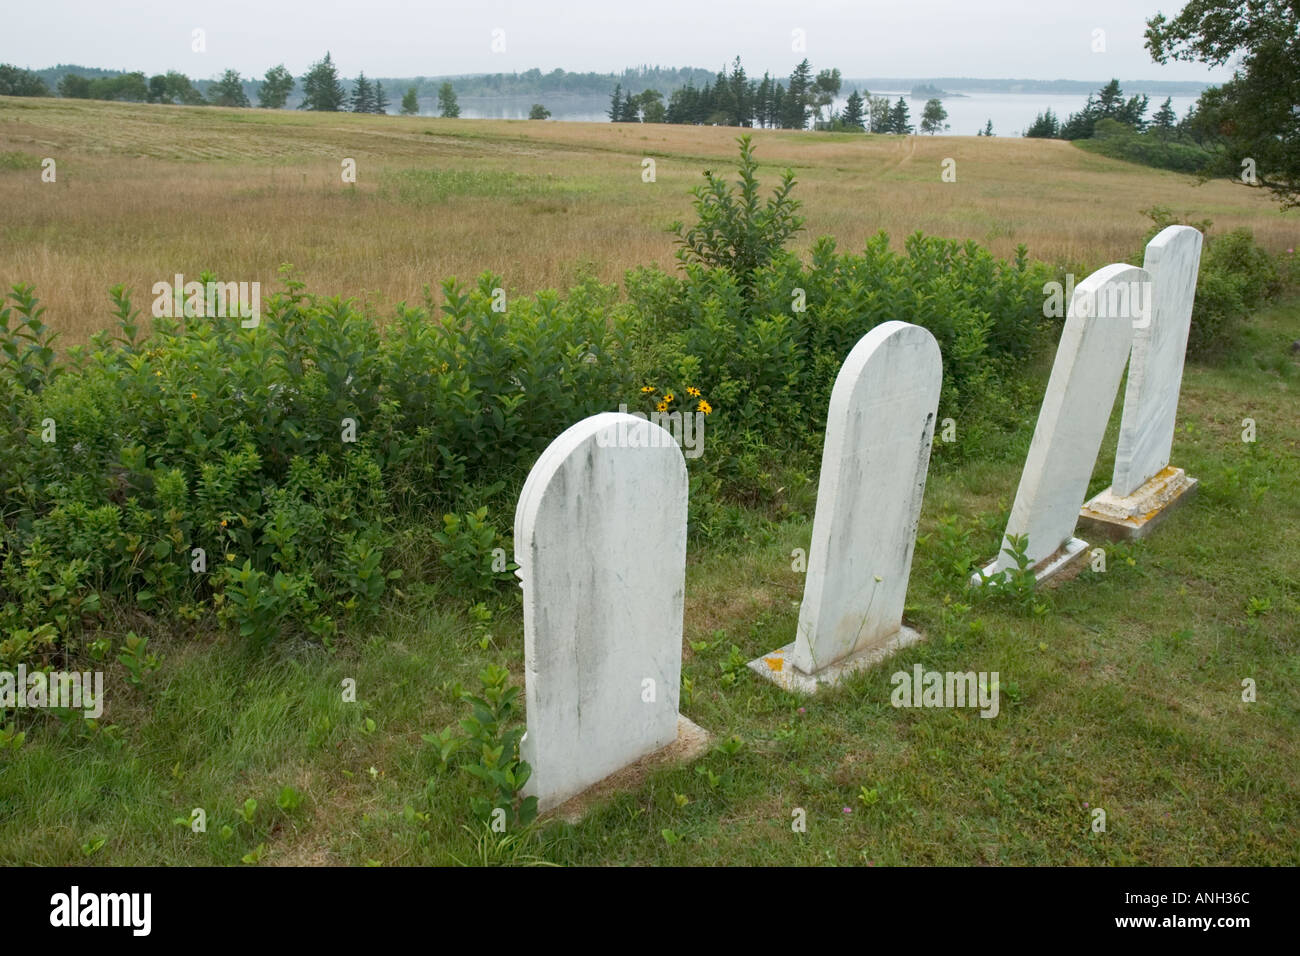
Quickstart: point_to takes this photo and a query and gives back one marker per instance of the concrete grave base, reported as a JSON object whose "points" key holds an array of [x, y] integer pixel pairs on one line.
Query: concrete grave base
{"points": [[1058, 567], [779, 668], [1135, 516], [692, 741]]}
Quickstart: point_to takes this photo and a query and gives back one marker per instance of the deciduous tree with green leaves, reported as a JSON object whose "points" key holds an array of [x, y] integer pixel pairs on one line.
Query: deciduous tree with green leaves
{"points": [[933, 116], [276, 86], [448, 108], [1254, 115]]}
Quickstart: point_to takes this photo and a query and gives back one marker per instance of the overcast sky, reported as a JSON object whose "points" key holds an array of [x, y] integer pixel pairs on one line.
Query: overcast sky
{"points": [[1032, 39]]}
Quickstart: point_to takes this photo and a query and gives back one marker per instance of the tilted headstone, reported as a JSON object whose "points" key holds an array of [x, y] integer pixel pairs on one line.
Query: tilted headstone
{"points": [[879, 430], [600, 540], [1090, 360], [1144, 486]]}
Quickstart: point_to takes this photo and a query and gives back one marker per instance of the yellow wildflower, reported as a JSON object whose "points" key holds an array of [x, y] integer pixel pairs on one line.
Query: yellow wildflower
{"points": [[693, 392], [668, 397], [647, 388], [704, 407], [661, 407]]}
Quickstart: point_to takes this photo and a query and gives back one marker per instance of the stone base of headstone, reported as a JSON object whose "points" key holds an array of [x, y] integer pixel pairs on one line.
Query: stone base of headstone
{"points": [[778, 667], [1058, 567], [692, 740], [1137, 515]]}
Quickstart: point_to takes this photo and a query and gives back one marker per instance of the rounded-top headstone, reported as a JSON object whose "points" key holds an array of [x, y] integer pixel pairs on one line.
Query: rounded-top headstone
{"points": [[600, 540]]}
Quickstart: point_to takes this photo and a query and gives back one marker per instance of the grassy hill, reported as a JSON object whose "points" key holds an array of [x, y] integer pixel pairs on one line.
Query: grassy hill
{"points": [[146, 191]]}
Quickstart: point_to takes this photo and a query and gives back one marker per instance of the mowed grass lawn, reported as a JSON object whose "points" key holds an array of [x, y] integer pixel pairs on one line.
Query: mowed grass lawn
{"points": [[1126, 695]]}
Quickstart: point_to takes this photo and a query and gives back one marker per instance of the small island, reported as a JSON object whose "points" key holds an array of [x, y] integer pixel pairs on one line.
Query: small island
{"points": [[926, 91]]}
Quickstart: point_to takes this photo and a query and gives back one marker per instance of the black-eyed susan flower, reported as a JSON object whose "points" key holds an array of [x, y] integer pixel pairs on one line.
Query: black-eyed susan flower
{"points": [[693, 391], [704, 407], [668, 397], [646, 389], [661, 407]]}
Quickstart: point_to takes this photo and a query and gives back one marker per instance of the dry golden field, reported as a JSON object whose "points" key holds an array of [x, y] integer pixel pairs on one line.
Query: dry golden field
{"points": [[145, 192]]}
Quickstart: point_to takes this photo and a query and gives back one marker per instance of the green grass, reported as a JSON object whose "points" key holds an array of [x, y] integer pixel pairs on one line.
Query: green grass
{"points": [[424, 187], [17, 160], [1125, 695]]}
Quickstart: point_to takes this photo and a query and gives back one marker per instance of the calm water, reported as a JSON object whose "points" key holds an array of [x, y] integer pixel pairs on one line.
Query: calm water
{"points": [[1011, 113]]}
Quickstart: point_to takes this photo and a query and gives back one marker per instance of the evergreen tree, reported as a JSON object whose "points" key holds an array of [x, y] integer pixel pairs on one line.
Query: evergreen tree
{"points": [[1044, 126], [1080, 125], [275, 89], [899, 120], [1110, 99], [778, 106], [363, 96], [763, 102], [410, 102], [448, 108], [988, 128], [381, 101], [1165, 119], [854, 114], [228, 91], [321, 88], [1133, 112], [616, 104], [794, 113], [741, 105]]}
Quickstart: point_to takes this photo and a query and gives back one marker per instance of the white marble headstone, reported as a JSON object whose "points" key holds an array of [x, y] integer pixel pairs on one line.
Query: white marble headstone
{"points": [[600, 540], [1155, 372], [879, 430], [1090, 360]]}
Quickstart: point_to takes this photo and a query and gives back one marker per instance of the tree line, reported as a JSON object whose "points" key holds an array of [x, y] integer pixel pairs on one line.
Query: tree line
{"points": [[321, 86], [733, 98]]}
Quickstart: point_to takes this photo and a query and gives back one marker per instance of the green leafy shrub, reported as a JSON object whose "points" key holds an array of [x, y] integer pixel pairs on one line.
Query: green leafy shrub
{"points": [[1236, 278], [260, 472], [489, 737], [1120, 141], [734, 230], [468, 542]]}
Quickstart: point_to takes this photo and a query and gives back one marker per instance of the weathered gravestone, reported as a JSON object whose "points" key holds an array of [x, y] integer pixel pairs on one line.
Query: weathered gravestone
{"points": [[879, 429], [1090, 359], [1144, 487], [600, 540]]}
